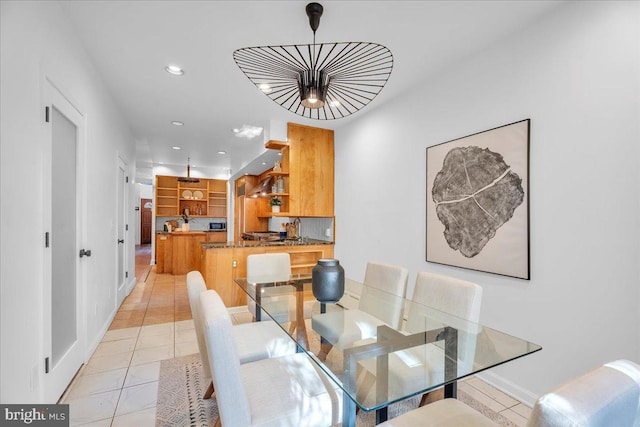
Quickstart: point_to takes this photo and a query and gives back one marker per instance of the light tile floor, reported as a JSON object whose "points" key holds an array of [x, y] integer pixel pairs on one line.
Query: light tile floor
{"points": [[119, 385]]}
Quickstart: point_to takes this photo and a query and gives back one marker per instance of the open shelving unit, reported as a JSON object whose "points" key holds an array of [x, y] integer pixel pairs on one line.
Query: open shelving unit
{"points": [[207, 198]]}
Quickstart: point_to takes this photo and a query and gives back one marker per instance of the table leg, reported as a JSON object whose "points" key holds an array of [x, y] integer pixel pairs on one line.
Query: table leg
{"points": [[450, 362], [382, 415], [348, 411], [301, 327], [258, 303]]}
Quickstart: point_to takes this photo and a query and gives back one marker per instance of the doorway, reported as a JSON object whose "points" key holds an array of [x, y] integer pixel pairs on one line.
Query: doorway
{"points": [[121, 230], [145, 221], [64, 217]]}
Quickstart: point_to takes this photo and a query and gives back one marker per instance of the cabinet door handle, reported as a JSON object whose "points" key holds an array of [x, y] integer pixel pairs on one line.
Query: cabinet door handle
{"points": [[120, 241]]}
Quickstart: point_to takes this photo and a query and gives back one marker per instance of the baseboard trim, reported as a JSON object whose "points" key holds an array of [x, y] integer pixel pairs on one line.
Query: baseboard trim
{"points": [[523, 395], [91, 348], [132, 284]]}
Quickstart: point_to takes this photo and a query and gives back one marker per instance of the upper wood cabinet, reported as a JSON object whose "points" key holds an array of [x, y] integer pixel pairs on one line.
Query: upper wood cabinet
{"points": [[207, 198], [307, 170]]}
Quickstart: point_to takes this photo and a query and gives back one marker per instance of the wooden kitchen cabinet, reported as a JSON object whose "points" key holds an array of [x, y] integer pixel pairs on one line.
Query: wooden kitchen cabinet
{"points": [[166, 195], [179, 252], [220, 266], [163, 251], [217, 236], [307, 170], [207, 198]]}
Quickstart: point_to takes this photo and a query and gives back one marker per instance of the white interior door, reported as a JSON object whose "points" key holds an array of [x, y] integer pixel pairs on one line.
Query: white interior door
{"points": [[63, 325], [121, 206]]}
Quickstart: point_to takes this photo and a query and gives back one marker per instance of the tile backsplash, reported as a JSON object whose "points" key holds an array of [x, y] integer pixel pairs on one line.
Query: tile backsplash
{"points": [[196, 224], [313, 228]]}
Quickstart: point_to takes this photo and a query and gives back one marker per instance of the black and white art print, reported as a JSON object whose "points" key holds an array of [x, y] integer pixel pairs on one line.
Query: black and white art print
{"points": [[478, 201]]}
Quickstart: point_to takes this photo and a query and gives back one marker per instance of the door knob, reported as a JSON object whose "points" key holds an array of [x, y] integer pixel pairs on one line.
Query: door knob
{"points": [[120, 241], [84, 252]]}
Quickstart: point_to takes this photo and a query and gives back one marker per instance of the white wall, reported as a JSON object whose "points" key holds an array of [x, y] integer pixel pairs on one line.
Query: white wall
{"points": [[575, 73], [37, 41]]}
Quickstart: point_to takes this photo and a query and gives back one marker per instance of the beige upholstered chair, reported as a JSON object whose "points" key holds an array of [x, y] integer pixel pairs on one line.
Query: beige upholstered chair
{"points": [[283, 391], [375, 308], [254, 341], [275, 267], [606, 396], [420, 367]]}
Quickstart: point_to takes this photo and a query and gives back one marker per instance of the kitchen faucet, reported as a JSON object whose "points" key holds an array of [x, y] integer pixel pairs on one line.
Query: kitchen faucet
{"points": [[296, 228]]}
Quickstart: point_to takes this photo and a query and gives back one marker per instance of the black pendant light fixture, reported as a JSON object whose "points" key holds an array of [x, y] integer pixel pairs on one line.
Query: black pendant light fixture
{"points": [[188, 177], [320, 81]]}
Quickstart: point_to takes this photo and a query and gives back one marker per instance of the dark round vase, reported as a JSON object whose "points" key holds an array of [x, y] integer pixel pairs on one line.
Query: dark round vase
{"points": [[327, 280]]}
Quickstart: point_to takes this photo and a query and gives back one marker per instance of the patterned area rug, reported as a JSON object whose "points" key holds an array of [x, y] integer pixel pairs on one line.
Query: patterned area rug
{"points": [[181, 387]]}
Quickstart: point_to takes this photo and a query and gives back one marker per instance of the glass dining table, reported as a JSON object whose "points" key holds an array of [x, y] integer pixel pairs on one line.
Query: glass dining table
{"points": [[377, 363]]}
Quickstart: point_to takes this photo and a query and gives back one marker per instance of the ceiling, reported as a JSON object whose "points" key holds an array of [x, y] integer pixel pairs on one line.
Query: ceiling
{"points": [[131, 42]]}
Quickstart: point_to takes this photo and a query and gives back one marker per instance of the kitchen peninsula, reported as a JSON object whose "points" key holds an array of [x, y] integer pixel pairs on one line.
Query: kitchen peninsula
{"points": [[178, 252], [224, 262]]}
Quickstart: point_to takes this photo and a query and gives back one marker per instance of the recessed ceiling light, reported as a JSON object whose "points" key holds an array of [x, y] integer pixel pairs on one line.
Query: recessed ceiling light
{"points": [[174, 69], [177, 123], [222, 152], [279, 154], [264, 87], [264, 163], [175, 147]]}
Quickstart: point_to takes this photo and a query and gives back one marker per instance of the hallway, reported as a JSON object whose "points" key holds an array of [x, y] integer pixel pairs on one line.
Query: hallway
{"points": [[157, 298], [118, 387]]}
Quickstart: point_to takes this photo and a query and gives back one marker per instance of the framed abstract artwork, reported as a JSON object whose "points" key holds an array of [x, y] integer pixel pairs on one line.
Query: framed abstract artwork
{"points": [[478, 201]]}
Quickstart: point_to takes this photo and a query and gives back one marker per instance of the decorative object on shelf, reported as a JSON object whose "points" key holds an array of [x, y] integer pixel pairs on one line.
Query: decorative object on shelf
{"points": [[279, 185], [327, 280], [188, 177], [186, 194], [185, 218], [478, 201], [277, 167], [275, 204], [198, 194], [320, 81]]}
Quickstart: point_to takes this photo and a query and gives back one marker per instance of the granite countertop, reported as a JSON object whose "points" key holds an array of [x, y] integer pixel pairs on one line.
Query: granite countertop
{"points": [[255, 243]]}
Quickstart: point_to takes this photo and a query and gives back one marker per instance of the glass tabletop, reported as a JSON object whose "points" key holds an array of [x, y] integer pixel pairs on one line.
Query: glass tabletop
{"points": [[384, 348]]}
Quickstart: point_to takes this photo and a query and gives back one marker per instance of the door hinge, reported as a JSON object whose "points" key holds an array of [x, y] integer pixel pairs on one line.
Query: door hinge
{"points": [[46, 114], [126, 227], [126, 179], [46, 365], [46, 239], [126, 274]]}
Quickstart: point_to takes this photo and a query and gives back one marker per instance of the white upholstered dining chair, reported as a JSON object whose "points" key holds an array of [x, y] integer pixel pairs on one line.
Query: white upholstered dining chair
{"points": [[606, 396], [272, 267], [254, 341], [375, 308], [283, 391], [419, 367]]}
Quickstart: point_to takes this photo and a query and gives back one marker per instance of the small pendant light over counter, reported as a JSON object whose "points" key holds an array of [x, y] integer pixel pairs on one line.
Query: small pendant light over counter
{"points": [[188, 177]]}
